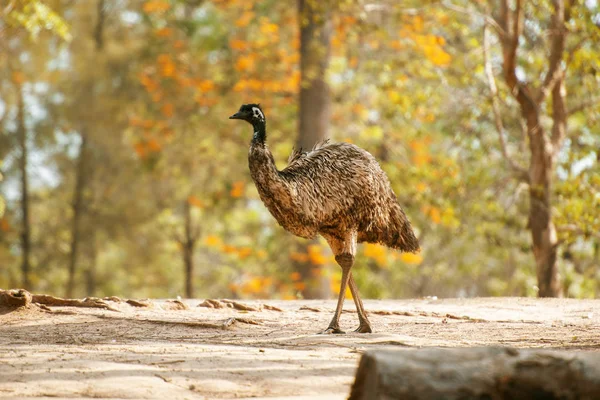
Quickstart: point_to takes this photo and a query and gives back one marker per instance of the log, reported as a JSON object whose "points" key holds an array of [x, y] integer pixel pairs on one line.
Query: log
{"points": [[491, 373]]}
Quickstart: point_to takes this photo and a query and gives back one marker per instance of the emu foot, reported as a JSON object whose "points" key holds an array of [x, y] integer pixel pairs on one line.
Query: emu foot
{"points": [[332, 330], [364, 327]]}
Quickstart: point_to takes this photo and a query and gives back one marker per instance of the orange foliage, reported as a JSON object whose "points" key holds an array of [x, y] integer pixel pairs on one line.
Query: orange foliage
{"points": [[334, 285], [396, 45], [18, 77], [212, 241], [141, 123], [300, 286], [238, 189], [244, 252], [410, 258], [376, 252], [148, 82], [433, 213], [166, 65], [421, 187], [261, 254], [233, 287], [417, 23], [245, 63], [237, 44], [164, 32], [140, 149], [153, 145], [204, 85], [295, 276], [430, 45], [4, 225], [195, 201], [156, 97], [254, 285], [299, 257], [244, 19], [156, 6], [421, 154], [167, 110], [268, 28], [228, 249], [315, 256]]}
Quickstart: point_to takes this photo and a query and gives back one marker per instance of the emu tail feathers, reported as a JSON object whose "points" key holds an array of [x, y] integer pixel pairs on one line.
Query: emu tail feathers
{"points": [[402, 236]]}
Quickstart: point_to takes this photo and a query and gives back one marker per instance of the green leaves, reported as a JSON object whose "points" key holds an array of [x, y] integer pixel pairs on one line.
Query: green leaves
{"points": [[36, 17]]}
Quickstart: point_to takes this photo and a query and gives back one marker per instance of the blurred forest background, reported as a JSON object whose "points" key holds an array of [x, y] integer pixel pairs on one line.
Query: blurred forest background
{"points": [[123, 176]]}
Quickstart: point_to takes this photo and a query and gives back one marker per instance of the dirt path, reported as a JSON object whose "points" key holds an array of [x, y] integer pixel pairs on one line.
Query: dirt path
{"points": [[202, 353]]}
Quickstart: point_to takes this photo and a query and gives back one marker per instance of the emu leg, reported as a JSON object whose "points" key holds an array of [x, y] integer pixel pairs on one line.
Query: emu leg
{"points": [[364, 324], [345, 261]]}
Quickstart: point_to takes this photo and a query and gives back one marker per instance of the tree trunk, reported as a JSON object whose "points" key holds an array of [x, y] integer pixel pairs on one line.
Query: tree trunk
{"points": [[81, 173], [477, 373], [313, 113], [77, 207], [541, 226], [543, 148], [540, 223], [315, 35], [26, 226], [188, 244], [90, 273]]}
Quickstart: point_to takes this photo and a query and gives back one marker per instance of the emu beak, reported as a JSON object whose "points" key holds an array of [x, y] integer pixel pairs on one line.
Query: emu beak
{"points": [[237, 115]]}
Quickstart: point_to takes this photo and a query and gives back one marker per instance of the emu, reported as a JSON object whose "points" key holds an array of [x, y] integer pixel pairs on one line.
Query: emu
{"points": [[336, 190]]}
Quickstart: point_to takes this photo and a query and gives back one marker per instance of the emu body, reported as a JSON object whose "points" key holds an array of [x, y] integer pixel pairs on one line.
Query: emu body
{"points": [[336, 190]]}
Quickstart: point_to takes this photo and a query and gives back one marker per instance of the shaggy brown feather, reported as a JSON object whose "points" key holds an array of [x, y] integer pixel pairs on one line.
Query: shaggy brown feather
{"points": [[337, 190], [333, 189]]}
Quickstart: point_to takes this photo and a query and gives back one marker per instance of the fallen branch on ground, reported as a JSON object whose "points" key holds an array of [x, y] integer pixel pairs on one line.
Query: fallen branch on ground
{"points": [[225, 303], [477, 373], [22, 298], [174, 305], [15, 298]]}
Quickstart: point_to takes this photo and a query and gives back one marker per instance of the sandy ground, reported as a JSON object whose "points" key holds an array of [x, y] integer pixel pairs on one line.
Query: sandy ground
{"points": [[201, 353]]}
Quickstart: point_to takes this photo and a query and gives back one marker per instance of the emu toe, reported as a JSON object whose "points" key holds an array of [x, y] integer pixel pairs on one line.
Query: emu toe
{"points": [[332, 330], [364, 328]]}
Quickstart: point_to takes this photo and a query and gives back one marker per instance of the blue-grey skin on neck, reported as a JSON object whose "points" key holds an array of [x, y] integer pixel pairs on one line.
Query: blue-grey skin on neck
{"points": [[260, 132]]}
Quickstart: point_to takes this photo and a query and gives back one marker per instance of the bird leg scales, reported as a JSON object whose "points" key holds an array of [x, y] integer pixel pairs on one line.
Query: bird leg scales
{"points": [[364, 324], [345, 261]]}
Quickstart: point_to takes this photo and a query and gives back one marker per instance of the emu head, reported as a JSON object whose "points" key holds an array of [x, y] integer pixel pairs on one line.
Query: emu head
{"points": [[251, 113]]}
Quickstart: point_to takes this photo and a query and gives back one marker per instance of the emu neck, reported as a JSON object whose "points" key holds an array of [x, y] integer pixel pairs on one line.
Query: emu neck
{"points": [[260, 133], [261, 162]]}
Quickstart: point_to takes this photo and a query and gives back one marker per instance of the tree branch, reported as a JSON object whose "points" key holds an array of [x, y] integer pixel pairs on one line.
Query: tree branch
{"points": [[519, 171], [558, 33], [577, 230], [559, 115], [488, 20], [594, 101], [575, 48], [557, 81], [517, 22], [510, 44]]}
